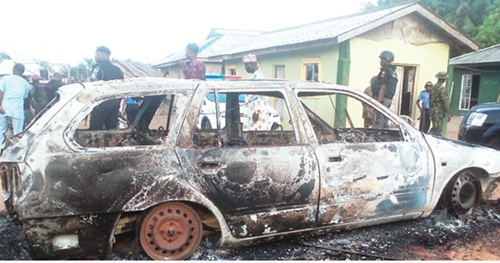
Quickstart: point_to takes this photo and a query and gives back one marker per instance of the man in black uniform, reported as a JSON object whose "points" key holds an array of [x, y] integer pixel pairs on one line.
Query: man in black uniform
{"points": [[384, 88], [105, 115]]}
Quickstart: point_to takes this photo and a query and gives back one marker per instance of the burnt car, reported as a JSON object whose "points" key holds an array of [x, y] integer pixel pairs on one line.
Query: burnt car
{"points": [[481, 125], [75, 190]]}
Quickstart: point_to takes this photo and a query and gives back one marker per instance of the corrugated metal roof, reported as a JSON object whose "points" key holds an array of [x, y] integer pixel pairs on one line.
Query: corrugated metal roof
{"points": [[132, 69], [218, 40], [487, 55], [325, 29]]}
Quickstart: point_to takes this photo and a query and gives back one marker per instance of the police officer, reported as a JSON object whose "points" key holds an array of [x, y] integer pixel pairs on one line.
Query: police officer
{"points": [[439, 104], [105, 115], [384, 88], [423, 104]]}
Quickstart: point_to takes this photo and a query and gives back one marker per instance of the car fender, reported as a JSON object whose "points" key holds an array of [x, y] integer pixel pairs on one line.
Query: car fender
{"points": [[452, 156]]}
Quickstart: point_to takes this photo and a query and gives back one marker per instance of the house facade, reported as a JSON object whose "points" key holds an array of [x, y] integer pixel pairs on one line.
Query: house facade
{"points": [[345, 51], [475, 79]]}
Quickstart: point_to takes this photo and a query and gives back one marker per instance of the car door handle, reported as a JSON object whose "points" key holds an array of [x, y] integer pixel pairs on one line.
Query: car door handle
{"points": [[334, 159], [209, 164]]}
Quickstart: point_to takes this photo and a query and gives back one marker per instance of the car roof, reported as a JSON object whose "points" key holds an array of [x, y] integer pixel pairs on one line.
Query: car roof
{"points": [[486, 107], [93, 90]]}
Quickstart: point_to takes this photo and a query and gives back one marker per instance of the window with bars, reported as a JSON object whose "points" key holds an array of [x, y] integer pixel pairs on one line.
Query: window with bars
{"points": [[465, 92]]}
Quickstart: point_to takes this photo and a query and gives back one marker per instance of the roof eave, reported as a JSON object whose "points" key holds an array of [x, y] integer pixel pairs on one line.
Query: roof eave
{"points": [[445, 26], [285, 48]]}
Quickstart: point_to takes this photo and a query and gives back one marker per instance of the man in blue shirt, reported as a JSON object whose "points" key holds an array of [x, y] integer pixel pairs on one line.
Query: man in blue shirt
{"points": [[13, 90], [425, 114]]}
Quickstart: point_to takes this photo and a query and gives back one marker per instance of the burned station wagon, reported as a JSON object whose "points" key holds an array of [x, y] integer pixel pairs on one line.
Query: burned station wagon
{"points": [[74, 190]]}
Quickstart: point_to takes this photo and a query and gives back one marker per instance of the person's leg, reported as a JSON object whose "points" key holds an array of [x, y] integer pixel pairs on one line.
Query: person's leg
{"points": [[112, 107], [437, 125], [387, 102], [17, 125], [97, 118], [427, 120], [4, 121], [131, 111]]}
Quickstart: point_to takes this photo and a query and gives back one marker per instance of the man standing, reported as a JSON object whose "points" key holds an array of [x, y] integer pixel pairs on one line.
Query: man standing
{"points": [[14, 89], [251, 66], [51, 88], [439, 104], [105, 115], [384, 88], [368, 110], [423, 104], [194, 69]]}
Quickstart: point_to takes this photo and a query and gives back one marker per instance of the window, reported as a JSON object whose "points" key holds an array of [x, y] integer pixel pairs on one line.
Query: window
{"points": [[245, 119], [231, 70], [465, 92], [154, 118], [311, 69], [279, 71], [333, 124], [470, 91], [312, 72]]}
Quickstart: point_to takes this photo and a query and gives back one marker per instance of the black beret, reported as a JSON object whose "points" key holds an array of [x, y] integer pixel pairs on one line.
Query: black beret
{"points": [[103, 49]]}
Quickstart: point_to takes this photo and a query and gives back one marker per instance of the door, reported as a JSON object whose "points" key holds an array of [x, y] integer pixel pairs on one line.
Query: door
{"points": [[260, 178], [365, 173]]}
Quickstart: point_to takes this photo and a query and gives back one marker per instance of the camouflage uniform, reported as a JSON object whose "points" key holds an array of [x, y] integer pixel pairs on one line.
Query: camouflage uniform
{"points": [[437, 98]]}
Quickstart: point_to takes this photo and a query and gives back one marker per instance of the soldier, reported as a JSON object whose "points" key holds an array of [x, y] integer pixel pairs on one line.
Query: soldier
{"points": [[439, 104]]}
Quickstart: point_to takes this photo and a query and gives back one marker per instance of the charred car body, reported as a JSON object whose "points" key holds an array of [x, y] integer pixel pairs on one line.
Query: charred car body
{"points": [[75, 189]]}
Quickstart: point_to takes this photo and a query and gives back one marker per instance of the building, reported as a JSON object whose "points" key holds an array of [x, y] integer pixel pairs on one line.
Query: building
{"points": [[475, 79], [217, 41], [345, 50]]}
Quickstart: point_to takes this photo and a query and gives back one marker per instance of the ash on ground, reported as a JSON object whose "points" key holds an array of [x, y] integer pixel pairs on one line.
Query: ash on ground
{"points": [[384, 242]]}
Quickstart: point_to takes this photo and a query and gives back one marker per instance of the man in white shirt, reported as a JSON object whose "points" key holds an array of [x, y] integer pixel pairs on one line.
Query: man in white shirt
{"points": [[13, 90], [251, 66]]}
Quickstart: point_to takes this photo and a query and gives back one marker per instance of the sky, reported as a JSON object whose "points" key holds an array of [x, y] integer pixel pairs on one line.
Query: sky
{"points": [[60, 31]]}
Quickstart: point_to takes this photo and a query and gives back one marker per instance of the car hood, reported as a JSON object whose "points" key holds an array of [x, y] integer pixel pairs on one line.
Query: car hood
{"points": [[452, 156]]}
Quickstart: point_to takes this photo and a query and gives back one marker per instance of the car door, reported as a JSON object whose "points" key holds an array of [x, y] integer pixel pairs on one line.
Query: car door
{"points": [[366, 173], [262, 181]]}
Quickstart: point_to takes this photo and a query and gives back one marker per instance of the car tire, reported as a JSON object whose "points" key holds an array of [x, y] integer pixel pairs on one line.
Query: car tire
{"points": [[205, 124], [462, 194]]}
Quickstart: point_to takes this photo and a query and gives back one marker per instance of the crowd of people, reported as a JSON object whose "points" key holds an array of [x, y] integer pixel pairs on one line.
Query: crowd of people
{"points": [[432, 101]]}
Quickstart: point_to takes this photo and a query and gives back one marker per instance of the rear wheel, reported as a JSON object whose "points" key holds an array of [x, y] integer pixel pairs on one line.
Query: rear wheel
{"points": [[462, 194], [171, 231]]}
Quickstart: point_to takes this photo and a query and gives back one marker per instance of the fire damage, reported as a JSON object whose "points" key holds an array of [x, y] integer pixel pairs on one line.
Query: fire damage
{"points": [[438, 237], [173, 185]]}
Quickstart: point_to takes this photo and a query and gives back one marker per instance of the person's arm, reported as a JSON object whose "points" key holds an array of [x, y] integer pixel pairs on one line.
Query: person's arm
{"points": [[2, 88], [444, 103], [381, 93]]}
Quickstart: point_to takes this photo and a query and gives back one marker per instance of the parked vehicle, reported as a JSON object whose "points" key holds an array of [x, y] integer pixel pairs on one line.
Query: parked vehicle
{"points": [[481, 125], [74, 190]]}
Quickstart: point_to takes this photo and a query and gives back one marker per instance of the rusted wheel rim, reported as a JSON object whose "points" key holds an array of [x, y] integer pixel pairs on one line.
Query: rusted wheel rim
{"points": [[464, 194], [171, 231]]}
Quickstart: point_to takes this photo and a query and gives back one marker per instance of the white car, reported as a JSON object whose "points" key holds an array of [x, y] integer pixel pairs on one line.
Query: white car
{"points": [[75, 190]]}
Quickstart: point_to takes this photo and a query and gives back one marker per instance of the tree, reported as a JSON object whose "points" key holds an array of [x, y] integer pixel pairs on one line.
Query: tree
{"points": [[488, 34], [466, 15], [4, 56]]}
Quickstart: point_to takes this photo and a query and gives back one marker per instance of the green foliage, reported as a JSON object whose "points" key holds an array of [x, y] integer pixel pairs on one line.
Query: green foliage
{"points": [[466, 15], [489, 31], [4, 56]]}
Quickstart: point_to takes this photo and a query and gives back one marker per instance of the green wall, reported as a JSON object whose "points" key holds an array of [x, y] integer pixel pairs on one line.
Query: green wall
{"points": [[489, 87]]}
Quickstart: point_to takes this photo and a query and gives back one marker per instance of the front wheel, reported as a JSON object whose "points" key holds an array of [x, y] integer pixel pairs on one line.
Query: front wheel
{"points": [[462, 194]]}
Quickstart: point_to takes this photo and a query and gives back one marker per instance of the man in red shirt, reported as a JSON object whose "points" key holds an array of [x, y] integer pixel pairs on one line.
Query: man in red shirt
{"points": [[194, 68]]}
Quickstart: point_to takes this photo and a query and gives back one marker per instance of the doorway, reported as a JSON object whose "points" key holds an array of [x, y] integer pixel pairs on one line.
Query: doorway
{"points": [[402, 102]]}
